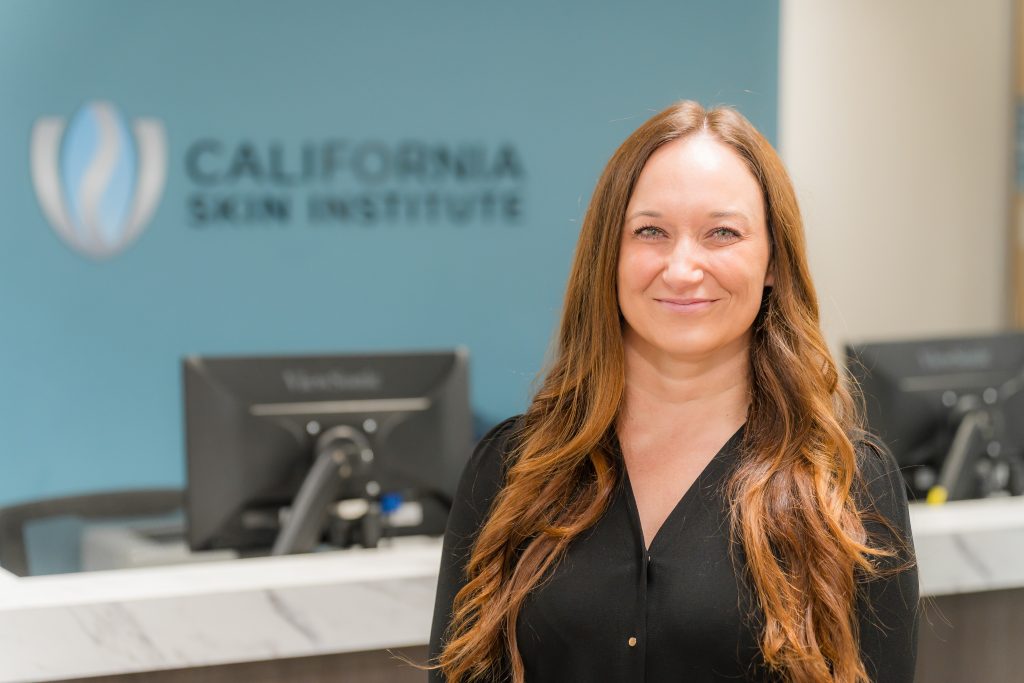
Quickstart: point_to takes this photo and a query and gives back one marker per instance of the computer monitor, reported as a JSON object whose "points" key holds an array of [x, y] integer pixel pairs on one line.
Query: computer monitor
{"points": [[951, 411], [274, 442]]}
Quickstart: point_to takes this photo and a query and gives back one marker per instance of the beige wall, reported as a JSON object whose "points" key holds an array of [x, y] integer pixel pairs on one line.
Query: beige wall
{"points": [[896, 122]]}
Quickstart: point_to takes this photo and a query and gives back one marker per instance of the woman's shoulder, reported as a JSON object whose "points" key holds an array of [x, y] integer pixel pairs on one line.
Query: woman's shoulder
{"points": [[881, 492], [879, 473], [497, 444], [484, 473], [500, 435]]}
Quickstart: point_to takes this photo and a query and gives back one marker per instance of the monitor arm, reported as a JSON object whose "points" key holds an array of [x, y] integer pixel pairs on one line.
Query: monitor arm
{"points": [[342, 453], [977, 425], [957, 468]]}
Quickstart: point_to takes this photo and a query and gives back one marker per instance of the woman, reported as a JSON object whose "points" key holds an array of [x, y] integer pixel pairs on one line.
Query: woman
{"points": [[689, 497]]}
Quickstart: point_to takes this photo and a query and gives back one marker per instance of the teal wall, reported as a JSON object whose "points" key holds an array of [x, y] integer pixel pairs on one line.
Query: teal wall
{"points": [[90, 396]]}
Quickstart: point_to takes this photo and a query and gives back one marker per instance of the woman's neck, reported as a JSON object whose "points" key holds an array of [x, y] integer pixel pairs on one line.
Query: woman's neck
{"points": [[664, 393]]}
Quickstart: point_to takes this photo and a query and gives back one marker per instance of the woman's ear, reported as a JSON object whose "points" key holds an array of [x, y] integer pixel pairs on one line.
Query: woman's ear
{"points": [[769, 277]]}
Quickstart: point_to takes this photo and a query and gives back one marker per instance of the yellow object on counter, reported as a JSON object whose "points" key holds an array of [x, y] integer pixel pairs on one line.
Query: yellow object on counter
{"points": [[937, 495]]}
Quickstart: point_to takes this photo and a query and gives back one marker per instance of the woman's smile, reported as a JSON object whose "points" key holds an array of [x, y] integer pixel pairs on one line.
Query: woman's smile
{"points": [[695, 305]]}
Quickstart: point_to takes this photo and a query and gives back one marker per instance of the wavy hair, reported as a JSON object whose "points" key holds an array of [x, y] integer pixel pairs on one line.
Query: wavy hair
{"points": [[792, 507]]}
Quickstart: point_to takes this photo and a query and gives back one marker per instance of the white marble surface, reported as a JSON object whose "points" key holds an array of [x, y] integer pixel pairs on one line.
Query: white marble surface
{"points": [[56, 627], [969, 546], [131, 620]]}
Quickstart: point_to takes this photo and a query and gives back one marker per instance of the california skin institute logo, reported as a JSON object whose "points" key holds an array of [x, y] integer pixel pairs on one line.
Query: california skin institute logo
{"points": [[98, 180]]}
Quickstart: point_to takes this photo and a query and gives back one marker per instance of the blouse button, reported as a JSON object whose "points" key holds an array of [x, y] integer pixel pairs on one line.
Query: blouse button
{"points": [[632, 641]]}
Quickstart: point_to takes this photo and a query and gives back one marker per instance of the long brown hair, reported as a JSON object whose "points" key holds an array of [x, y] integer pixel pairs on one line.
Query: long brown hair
{"points": [[792, 508]]}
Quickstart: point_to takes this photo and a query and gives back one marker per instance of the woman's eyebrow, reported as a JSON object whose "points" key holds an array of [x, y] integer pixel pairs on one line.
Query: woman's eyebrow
{"points": [[728, 214], [724, 213], [644, 212]]}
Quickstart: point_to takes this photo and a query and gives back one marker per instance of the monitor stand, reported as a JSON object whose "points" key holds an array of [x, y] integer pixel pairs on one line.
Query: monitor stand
{"points": [[958, 478], [343, 454]]}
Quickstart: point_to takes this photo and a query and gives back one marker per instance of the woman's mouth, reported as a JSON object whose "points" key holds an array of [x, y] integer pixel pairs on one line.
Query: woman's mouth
{"points": [[689, 305]]}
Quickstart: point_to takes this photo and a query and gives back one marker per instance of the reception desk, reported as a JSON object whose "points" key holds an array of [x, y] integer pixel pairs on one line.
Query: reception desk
{"points": [[120, 622], [133, 620]]}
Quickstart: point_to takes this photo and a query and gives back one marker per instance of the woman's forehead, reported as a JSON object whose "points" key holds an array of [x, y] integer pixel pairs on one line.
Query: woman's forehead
{"points": [[697, 173]]}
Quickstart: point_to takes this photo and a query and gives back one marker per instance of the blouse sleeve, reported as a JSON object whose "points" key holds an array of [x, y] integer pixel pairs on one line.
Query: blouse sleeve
{"points": [[481, 480], [888, 605]]}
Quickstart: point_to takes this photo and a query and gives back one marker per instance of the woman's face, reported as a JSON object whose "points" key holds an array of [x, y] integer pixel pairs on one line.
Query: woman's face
{"points": [[694, 255]]}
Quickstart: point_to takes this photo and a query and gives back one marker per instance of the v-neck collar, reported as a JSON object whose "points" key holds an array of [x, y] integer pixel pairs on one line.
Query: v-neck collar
{"points": [[712, 473]]}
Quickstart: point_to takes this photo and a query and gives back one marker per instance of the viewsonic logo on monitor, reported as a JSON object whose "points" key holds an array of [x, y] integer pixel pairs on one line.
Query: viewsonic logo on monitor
{"points": [[956, 358], [97, 180], [302, 382]]}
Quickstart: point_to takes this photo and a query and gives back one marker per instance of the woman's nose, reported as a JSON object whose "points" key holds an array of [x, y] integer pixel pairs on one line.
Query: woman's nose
{"points": [[684, 267]]}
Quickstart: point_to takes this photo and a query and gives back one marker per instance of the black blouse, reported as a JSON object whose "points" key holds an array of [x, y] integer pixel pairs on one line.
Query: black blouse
{"points": [[613, 610]]}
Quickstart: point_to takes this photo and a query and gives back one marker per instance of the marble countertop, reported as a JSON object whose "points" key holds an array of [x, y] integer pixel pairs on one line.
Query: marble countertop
{"points": [[132, 620], [969, 546]]}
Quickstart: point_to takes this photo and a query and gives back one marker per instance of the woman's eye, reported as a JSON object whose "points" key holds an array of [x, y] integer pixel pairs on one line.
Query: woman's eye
{"points": [[648, 232], [724, 234]]}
